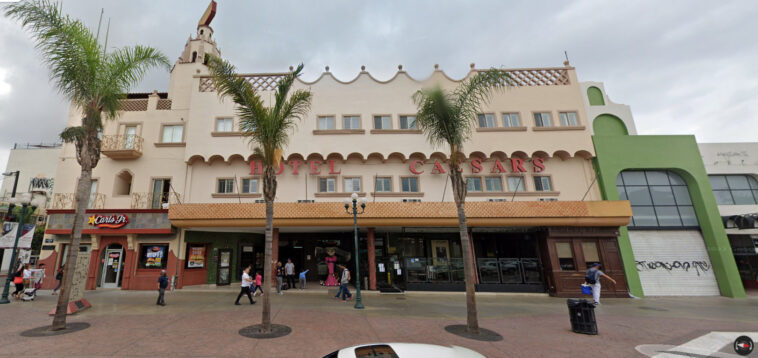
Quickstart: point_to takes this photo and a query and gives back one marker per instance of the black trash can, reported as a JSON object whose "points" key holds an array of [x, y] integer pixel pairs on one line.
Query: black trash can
{"points": [[582, 314]]}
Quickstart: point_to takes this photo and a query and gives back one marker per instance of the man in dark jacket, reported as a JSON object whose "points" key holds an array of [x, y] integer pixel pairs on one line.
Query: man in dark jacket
{"points": [[162, 285]]}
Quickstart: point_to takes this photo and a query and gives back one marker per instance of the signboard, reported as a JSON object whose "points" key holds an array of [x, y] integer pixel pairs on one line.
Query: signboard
{"points": [[196, 257], [8, 237], [114, 221], [154, 257]]}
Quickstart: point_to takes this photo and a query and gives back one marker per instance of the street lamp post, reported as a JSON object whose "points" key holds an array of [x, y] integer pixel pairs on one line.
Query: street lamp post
{"points": [[25, 200], [354, 200]]}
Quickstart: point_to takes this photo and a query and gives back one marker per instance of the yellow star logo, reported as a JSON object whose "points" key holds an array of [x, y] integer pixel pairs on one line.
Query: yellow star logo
{"points": [[92, 220]]}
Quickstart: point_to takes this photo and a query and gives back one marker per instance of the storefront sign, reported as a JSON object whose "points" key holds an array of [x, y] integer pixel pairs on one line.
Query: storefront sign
{"points": [[154, 256], [196, 257], [109, 221]]}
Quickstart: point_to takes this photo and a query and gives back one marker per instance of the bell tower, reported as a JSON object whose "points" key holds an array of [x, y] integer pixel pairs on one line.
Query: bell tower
{"points": [[196, 48]]}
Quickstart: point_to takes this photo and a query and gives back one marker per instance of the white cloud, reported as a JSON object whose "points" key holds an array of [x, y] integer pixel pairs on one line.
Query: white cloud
{"points": [[5, 86]]}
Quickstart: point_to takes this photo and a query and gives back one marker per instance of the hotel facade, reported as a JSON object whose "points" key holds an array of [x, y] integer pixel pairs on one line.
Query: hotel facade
{"points": [[179, 188]]}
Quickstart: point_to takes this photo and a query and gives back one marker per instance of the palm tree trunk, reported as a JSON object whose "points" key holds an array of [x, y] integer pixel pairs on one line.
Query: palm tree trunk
{"points": [[269, 193], [83, 188], [459, 194]]}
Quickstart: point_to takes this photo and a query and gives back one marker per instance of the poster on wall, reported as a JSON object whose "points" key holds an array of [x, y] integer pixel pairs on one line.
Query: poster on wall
{"points": [[196, 257], [440, 251], [8, 237], [154, 257]]}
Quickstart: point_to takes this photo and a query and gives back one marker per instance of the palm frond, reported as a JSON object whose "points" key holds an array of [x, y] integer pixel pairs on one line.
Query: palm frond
{"points": [[475, 92], [124, 68]]}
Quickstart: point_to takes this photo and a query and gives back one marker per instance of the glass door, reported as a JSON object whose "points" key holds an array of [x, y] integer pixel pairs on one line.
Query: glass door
{"points": [[161, 189], [112, 268], [129, 135], [224, 267], [247, 258]]}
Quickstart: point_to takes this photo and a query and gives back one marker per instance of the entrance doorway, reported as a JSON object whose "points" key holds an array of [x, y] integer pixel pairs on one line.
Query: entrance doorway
{"points": [[508, 262], [113, 264]]}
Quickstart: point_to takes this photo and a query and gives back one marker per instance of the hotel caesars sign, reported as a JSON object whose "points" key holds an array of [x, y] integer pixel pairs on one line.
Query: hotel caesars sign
{"points": [[108, 221], [513, 165]]}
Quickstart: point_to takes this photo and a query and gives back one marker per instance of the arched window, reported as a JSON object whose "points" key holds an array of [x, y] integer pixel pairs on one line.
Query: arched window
{"points": [[658, 198], [194, 56], [595, 96], [122, 185], [201, 31]]}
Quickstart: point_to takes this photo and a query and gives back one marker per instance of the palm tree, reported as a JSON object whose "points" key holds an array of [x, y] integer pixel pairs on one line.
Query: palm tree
{"points": [[446, 118], [268, 129], [95, 82]]}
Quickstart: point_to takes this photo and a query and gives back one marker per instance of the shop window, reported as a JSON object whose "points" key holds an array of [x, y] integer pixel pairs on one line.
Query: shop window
{"points": [[660, 199], [122, 185], [511, 120], [225, 186], [352, 185], [543, 119], [153, 256], [224, 124], [351, 122], [591, 256], [409, 184], [516, 183], [486, 120], [408, 122], [474, 184], [326, 123], [172, 134], [382, 122], [327, 185], [734, 189], [569, 119], [196, 255], [565, 256], [383, 185], [493, 184], [249, 186], [542, 183]]}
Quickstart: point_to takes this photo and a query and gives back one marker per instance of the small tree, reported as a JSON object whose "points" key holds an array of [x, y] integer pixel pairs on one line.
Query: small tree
{"points": [[446, 118], [95, 82], [268, 129]]}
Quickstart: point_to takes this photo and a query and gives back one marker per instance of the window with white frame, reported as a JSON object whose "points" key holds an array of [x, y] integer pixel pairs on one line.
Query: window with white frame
{"points": [[383, 185], [486, 120], [408, 122], [382, 122], [351, 122], [224, 124], [409, 184], [543, 119], [326, 123], [327, 185], [516, 183], [225, 186], [474, 184], [352, 185], [542, 183], [511, 120], [569, 119], [493, 184], [172, 134], [249, 185]]}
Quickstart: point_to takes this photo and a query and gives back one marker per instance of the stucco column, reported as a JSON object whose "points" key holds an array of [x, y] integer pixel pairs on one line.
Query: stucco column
{"points": [[274, 254], [371, 259]]}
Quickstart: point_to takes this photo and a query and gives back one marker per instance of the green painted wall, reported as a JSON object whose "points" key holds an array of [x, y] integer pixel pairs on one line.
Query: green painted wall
{"points": [[608, 124], [595, 96], [678, 153], [220, 240]]}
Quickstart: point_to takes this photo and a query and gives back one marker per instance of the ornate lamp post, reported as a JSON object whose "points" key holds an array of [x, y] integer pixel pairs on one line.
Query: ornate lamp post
{"points": [[24, 201], [354, 200]]}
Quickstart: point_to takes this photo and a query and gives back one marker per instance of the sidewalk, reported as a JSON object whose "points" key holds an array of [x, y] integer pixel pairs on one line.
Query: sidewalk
{"points": [[204, 323]]}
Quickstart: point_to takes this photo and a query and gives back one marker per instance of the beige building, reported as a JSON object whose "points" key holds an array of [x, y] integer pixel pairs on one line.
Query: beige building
{"points": [[178, 186]]}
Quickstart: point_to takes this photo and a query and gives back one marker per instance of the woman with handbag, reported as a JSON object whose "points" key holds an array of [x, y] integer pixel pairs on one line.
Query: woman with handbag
{"points": [[18, 280]]}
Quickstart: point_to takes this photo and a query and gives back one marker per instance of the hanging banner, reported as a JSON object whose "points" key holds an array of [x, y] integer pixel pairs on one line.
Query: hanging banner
{"points": [[8, 237], [196, 257]]}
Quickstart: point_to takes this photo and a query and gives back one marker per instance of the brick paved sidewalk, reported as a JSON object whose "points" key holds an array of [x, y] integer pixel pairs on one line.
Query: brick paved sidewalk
{"points": [[205, 324]]}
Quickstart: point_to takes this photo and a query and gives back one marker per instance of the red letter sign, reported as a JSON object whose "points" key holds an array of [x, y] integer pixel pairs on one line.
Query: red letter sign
{"points": [[539, 165], [256, 168], [281, 168], [476, 165], [413, 168], [295, 163], [517, 165], [314, 167], [331, 168], [438, 169], [498, 167]]}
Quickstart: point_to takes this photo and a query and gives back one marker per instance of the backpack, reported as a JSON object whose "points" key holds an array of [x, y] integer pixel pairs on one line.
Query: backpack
{"points": [[589, 277]]}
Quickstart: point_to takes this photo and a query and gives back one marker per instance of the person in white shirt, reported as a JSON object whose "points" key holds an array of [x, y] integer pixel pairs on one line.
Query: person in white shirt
{"points": [[245, 286], [289, 269], [27, 276]]}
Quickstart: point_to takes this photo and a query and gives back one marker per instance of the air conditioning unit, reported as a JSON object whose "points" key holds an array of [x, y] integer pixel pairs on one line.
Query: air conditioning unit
{"points": [[259, 201], [548, 199], [497, 200], [411, 200], [306, 201]]}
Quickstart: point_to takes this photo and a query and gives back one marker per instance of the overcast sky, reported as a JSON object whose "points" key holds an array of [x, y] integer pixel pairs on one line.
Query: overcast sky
{"points": [[684, 67]]}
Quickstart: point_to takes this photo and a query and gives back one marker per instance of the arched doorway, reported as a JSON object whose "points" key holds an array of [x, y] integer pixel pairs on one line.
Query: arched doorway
{"points": [[112, 266]]}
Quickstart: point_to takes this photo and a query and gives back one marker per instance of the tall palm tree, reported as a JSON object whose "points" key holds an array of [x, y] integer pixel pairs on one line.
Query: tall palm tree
{"points": [[95, 82], [268, 129], [446, 118]]}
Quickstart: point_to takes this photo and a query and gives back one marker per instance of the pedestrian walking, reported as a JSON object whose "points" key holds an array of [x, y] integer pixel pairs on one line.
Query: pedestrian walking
{"points": [[279, 277], [18, 280], [258, 283], [162, 285], [27, 276], [289, 269], [59, 278], [343, 285], [245, 286], [592, 277], [302, 279]]}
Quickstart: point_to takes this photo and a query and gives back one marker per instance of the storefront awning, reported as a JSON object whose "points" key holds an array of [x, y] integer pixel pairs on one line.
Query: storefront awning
{"points": [[478, 214]]}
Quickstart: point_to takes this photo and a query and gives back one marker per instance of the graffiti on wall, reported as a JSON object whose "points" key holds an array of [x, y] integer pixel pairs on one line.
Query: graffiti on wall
{"points": [[686, 266], [41, 184]]}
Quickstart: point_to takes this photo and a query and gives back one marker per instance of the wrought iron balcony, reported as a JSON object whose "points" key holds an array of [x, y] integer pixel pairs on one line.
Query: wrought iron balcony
{"points": [[67, 200], [128, 146], [154, 200]]}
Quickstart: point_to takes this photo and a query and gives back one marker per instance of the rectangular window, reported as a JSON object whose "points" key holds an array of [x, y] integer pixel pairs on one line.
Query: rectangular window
{"points": [[542, 183], [153, 256], [409, 184], [352, 185], [486, 120], [493, 184], [474, 184], [565, 256], [511, 120], [591, 256], [543, 119], [351, 122], [516, 184], [408, 122], [172, 134], [225, 186], [196, 256], [326, 185], [161, 189], [249, 186], [569, 119], [224, 124], [382, 122], [734, 189], [383, 185], [326, 123]]}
